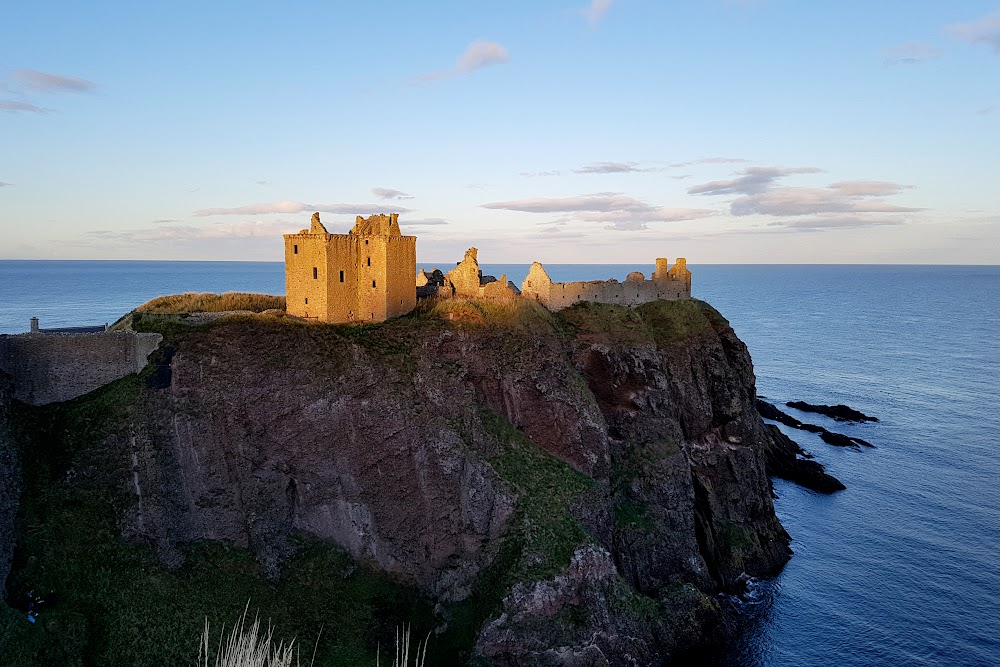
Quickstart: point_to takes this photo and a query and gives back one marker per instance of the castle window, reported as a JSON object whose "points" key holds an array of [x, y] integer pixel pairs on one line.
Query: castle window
{"points": [[366, 241], [295, 250], [369, 261], [341, 276], [373, 283], [307, 301], [315, 273]]}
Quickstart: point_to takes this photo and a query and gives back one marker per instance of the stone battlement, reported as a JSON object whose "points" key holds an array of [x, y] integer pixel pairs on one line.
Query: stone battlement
{"points": [[671, 284]]}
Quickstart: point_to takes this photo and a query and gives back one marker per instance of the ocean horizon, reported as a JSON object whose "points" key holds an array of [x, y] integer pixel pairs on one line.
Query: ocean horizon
{"points": [[902, 566]]}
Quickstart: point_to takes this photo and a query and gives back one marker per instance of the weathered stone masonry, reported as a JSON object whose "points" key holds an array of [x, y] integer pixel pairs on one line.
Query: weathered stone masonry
{"points": [[57, 367], [363, 276], [673, 283]]}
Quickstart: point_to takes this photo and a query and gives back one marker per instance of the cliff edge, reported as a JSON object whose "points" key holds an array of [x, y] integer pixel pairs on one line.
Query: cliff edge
{"points": [[567, 489]]}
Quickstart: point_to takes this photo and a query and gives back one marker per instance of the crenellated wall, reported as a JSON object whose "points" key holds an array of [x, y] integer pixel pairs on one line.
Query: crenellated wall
{"points": [[48, 368], [670, 284]]}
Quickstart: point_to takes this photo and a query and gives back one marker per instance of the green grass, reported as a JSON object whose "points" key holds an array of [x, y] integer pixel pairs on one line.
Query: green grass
{"points": [[673, 322], [661, 322], [524, 314], [633, 515], [542, 535], [118, 605], [546, 487]]}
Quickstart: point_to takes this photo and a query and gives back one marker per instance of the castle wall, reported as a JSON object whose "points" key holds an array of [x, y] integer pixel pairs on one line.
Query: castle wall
{"points": [[341, 279], [57, 367], [371, 284], [401, 295], [306, 291], [364, 276], [671, 285]]}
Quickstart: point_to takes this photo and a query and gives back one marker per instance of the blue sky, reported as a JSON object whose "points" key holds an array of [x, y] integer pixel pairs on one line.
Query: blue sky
{"points": [[573, 131]]}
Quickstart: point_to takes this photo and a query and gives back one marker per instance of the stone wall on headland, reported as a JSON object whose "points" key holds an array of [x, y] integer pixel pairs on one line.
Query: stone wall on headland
{"points": [[48, 368]]}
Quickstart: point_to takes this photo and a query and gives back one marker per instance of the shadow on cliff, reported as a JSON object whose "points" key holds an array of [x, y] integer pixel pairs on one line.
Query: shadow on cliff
{"points": [[537, 488]]}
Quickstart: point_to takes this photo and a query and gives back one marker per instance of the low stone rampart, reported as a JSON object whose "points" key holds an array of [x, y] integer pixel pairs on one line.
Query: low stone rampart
{"points": [[48, 368], [671, 284]]}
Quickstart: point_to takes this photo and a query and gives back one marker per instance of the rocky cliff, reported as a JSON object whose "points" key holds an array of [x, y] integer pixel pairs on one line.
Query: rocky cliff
{"points": [[569, 488], [10, 478]]}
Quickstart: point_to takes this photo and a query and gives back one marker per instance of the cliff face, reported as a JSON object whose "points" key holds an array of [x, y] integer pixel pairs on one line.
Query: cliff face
{"points": [[570, 487], [10, 478]]}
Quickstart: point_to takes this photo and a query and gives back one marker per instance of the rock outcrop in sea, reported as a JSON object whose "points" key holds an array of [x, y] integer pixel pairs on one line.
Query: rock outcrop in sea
{"points": [[584, 482]]}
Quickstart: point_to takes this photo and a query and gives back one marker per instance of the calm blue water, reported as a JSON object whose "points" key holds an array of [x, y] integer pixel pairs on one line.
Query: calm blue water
{"points": [[902, 568]]}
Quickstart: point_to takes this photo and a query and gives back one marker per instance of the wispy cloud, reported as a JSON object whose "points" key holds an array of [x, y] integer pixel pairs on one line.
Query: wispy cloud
{"points": [[163, 221], [868, 188], [52, 83], [619, 211], [223, 231], [910, 53], [478, 55], [985, 30], [596, 10], [840, 204], [422, 222], [4, 185], [753, 180], [15, 105], [710, 160], [989, 111], [805, 201], [838, 222], [389, 193], [610, 168], [532, 174], [290, 206]]}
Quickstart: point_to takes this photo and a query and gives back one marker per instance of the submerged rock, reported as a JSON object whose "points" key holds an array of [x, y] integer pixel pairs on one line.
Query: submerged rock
{"points": [[769, 411], [841, 413]]}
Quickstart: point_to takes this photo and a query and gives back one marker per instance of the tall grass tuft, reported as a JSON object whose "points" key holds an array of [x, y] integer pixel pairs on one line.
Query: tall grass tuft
{"points": [[247, 647], [401, 658], [207, 302]]}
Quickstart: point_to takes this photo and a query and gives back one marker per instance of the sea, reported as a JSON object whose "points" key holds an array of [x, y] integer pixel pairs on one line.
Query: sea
{"points": [[902, 568]]}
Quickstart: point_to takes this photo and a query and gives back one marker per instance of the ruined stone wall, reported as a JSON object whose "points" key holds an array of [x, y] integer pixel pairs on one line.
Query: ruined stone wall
{"points": [[466, 280], [636, 290], [57, 367]]}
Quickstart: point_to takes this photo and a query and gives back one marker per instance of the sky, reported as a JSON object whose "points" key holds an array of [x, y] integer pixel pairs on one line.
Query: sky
{"points": [[572, 131]]}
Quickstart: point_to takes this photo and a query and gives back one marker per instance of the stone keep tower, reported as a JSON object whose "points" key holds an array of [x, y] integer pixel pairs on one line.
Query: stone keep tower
{"points": [[363, 276]]}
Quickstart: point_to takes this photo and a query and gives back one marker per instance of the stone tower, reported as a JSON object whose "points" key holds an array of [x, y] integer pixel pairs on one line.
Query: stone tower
{"points": [[365, 275]]}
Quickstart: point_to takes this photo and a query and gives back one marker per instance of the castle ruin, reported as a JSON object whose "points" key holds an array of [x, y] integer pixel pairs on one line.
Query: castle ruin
{"points": [[365, 275], [673, 283], [465, 280]]}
